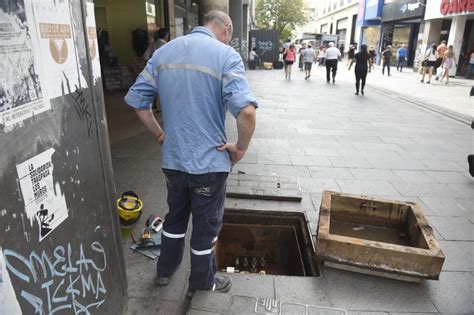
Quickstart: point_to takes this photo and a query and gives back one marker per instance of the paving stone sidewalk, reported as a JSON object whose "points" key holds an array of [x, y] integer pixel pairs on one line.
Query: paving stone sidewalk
{"points": [[330, 139]]}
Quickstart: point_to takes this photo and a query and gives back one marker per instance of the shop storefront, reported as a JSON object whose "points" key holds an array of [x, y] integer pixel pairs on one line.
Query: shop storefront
{"points": [[369, 19], [456, 21], [401, 24]]}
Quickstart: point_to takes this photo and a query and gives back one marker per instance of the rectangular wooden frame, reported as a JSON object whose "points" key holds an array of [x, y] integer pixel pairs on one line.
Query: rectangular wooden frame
{"points": [[422, 261]]}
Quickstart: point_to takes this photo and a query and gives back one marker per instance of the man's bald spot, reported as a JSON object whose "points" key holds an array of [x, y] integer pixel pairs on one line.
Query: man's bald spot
{"points": [[216, 17]]}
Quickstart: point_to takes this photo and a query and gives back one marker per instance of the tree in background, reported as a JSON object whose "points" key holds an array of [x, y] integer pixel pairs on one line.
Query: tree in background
{"points": [[281, 15]]}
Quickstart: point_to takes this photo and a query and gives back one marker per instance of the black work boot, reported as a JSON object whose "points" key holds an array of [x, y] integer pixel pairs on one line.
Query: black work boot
{"points": [[221, 284], [470, 160]]}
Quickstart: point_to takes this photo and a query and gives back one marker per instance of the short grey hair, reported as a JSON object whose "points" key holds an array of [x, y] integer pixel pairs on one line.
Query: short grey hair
{"points": [[216, 16]]}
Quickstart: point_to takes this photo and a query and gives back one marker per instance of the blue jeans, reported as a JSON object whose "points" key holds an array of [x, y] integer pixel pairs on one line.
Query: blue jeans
{"points": [[401, 63], [202, 196], [469, 70]]}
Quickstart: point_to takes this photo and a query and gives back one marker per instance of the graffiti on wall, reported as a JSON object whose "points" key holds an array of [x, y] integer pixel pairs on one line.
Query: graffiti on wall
{"points": [[265, 45], [68, 278], [81, 106]]}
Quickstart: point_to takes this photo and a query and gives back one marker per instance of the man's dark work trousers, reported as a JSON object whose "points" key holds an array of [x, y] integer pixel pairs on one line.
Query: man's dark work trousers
{"points": [[331, 64], [202, 196]]}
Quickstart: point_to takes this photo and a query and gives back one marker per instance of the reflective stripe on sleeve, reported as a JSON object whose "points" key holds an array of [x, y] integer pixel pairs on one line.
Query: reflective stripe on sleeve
{"points": [[149, 77], [188, 66], [171, 235], [202, 252]]}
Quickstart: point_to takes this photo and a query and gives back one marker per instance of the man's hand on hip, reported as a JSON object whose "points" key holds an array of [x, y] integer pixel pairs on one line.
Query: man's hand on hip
{"points": [[235, 153]]}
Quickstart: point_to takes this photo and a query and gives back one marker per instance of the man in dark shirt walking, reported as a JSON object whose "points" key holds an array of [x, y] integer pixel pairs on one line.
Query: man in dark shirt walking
{"points": [[386, 55]]}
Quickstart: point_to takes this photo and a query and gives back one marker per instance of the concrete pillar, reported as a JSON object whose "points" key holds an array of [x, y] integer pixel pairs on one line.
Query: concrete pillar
{"points": [[208, 5], [245, 31], [456, 32], [431, 32], [236, 15], [172, 20]]}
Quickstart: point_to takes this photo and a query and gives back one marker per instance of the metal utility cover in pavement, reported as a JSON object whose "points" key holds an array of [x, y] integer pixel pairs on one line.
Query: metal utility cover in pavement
{"points": [[269, 187], [379, 237]]}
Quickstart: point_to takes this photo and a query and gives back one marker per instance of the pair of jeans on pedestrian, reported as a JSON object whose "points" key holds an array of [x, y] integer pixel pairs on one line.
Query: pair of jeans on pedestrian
{"points": [[401, 63], [386, 64], [470, 67], [361, 75], [202, 196]]}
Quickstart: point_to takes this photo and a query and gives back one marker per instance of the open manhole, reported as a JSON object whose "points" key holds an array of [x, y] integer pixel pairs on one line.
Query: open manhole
{"points": [[266, 242]]}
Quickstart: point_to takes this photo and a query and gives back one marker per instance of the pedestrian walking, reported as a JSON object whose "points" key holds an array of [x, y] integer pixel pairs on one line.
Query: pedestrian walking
{"points": [[300, 57], [449, 62], [350, 54], [470, 65], [363, 65], [309, 55], [160, 38], [289, 56], [401, 57], [429, 63], [373, 55], [330, 60], [439, 61], [386, 56], [196, 155], [321, 54]]}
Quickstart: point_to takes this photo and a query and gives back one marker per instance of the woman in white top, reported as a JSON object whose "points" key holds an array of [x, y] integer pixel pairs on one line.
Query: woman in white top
{"points": [[322, 52], [430, 61], [449, 61]]}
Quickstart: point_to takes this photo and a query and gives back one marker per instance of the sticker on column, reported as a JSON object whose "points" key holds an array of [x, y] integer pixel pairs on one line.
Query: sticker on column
{"points": [[22, 93], [92, 40], [8, 299], [58, 51], [45, 204]]}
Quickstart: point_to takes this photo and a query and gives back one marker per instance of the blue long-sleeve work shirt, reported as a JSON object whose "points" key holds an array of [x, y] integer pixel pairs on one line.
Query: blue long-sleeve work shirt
{"points": [[198, 79]]}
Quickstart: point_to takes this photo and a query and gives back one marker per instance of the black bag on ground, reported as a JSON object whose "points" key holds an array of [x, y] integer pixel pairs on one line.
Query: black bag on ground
{"points": [[277, 65]]}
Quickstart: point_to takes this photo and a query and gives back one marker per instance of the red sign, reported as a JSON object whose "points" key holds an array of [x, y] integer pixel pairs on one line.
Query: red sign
{"points": [[456, 6]]}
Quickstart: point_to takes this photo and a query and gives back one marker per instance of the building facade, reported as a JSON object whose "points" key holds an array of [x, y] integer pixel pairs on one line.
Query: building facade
{"points": [[338, 17], [452, 21]]}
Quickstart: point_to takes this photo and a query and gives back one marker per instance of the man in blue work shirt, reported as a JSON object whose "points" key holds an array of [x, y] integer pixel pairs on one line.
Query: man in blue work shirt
{"points": [[401, 57], [198, 78]]}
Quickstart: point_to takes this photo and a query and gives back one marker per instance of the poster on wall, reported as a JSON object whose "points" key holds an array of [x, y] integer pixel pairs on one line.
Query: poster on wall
{"points": [[58, 52], [92, 40], [45, 205], [8, 300], [22, 90]]}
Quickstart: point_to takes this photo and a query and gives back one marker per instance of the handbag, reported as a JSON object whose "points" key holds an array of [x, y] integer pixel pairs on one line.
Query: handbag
{"points": [[424, 63]]}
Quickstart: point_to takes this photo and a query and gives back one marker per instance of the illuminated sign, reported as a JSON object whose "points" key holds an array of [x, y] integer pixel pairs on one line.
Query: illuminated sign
{"points": [[456, 6]]}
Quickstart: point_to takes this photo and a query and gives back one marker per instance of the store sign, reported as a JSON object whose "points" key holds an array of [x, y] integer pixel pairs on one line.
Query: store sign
{"points": [[438, 9], [404, 9], [456, 6], [410, 7]]}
